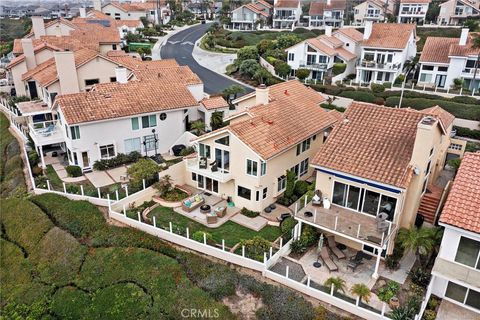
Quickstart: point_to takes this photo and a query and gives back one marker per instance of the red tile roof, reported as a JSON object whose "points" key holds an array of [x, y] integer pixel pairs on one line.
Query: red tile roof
{"points": [[436, 49], [462, 208], [415, 1], [390, 35], [287, 4], [351, 33], [213, 103], [445, 117], [318, 7]]}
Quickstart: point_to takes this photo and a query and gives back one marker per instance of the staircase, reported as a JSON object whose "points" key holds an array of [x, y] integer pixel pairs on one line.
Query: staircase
{"points": [[429, 203]]}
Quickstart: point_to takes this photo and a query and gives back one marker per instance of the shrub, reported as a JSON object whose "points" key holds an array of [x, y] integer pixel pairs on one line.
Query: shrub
{"points": [[249, 67], [247, 53], [400, 79], [231, 68], [465, 100], [309, 236], [74, 171], [469, 133], [298, 247], [290, 187], [287, 40], [187, 151], [301, 187], [249, 213], [33, 158], [379, 100], [120, 159], [282, 69], [420, 277], [432, 303], [302, 74], [358, 96], [36, 171], [256, 247], [41, 182], [429, 315], [271, 60], [387, 85], [332, 106], [377, 88], [338, 68], [199, 236], [288, 224], [164, 185], [388, 291], [142, 169], [72, 188]]}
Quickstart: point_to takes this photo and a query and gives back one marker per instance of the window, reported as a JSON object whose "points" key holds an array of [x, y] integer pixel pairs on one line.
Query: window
{"points": [[304, 167], [91, 82], [75, 131], [257, 195], [311, 59], [75, 158], [252, 167], [133, 144], [163, 116], [149, 121], [107, 151], [370, 204], [339, 193], [468, 252], [66, 131], [296, 169], [463, 295], [264, 193], [52, 96], [114, 47], [353, 197], [430, 68], [281, 183], [194, 176], [425, 77], [244, 193], [149, 142], [113, 79], [263, 168], [303, 146], [135, 125], [443, 69], [291, 56], [225, 141], [204, 150], [200, 182]]}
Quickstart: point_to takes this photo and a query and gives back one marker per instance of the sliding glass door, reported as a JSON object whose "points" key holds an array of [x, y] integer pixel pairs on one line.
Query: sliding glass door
{"points": [[222, 158]]}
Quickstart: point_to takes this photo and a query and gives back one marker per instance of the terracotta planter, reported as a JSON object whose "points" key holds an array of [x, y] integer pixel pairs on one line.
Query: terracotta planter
{"points": [[394, 303]]}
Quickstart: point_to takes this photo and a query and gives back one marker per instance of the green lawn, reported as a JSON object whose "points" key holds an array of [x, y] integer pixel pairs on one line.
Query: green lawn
{"points": [[230, 231]]}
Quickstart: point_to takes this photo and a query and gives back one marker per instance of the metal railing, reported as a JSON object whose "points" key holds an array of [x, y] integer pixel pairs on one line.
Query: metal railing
{"points": [[45, 128], [376, 65], [316, 66]]}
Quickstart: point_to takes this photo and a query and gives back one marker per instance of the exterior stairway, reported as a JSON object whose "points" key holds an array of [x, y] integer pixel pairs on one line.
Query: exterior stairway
{"points": [[429, 203]]}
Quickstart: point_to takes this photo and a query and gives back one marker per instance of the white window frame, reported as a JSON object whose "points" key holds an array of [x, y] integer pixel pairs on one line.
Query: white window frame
{"points": [[254, 166], [107, 146]]}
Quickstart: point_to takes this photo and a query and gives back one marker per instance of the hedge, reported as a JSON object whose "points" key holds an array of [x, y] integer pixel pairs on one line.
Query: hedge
{"points": [[459, 110], [469, 133], [359, 96]]}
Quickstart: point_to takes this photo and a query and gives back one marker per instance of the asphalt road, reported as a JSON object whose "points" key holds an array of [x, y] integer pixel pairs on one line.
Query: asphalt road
{"points": [[180, 47]]}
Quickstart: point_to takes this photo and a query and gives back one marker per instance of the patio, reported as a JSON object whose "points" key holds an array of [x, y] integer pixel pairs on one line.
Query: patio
{"points": [[449, 311]]}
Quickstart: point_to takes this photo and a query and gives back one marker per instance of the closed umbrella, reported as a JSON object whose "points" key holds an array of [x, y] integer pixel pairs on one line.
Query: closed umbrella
{"points": [[317, 264]]}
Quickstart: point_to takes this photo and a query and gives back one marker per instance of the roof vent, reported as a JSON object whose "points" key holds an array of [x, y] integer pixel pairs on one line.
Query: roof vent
{"points": [[346, 120], [428, 120], [286, 92]]}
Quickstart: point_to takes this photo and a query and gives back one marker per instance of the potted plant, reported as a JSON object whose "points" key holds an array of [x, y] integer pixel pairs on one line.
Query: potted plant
{"points": [[394, 302]]}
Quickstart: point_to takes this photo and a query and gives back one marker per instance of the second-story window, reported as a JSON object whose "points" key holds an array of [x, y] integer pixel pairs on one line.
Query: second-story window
{"points": [[263, 168], [135, 125], [204, 150], [91, 82], [468, 252], [225, 141], [291, 56], [149, 121], [304, 146], [75, 131], [252, 167]]}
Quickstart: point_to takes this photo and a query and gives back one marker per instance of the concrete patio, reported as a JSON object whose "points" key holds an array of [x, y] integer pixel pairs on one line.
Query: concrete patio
{"points": [[450, 311], [99, 178]]}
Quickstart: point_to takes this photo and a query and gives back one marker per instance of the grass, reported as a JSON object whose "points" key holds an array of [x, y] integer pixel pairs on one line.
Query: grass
{"points": [[230, 231], [55, 182]]}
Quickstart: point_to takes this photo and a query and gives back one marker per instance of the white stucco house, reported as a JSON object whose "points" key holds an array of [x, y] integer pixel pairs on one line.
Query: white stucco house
{"points": [[286, 13], [454, 12], [326, 13], [413, 11], [456, 273], [372, 10], [250, 15]]}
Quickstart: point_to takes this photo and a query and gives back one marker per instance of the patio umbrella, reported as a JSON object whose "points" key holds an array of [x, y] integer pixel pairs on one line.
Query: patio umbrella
{"points": [[320, 245]]}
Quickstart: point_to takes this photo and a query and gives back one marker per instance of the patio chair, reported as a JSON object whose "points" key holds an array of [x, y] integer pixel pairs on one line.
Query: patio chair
{"points": [[355, 261], [327, 260], [317, 198], [47, 131], [333, 246]]}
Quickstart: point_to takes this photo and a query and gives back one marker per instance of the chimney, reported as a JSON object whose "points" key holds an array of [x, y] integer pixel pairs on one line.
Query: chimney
{"points": [[368, 30], [261, 94], [121, 74], [67, 72], [38, 26], [83, 12], [28, 52], [328, 31], [463, 37], [58, 31], [97, 5]]}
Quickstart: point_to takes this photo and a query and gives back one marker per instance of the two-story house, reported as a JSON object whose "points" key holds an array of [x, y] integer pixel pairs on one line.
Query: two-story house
{"points": [[247, 160], [445, 59], [413, 11], [250, 15], [372, 172], [157, 12], [455, 12], [372, 10], [385, 49], [456, 272], [320, 54], [286, 14], [326, 13]]}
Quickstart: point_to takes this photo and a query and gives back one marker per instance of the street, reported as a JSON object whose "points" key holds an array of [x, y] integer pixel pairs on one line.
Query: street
{"points": [[180, 47]]}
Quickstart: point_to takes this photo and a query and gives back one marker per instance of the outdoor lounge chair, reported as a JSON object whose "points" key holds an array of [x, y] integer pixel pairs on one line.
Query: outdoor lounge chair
{"points": [[355, 261], [317, 198], [47, 131], [327, 260], [333, 246]]}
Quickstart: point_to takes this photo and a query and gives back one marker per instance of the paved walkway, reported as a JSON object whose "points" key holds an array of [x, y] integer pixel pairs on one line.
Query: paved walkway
{"points": [[99, 178], [256, 223], [401, 274]]}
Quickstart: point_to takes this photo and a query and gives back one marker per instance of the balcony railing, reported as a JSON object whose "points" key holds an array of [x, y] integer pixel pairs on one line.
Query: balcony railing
{"points": [[47, 132], [471, 71], [208, 169], [313, 66], [279, 17], [376, 65], [413, 13], [372, 15]]}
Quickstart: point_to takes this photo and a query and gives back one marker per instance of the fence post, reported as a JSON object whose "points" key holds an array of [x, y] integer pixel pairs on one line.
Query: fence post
{"points": [[204, 238], [116, 194], [109, 204], [188, 233], [423, 87], [159, 176], [271, 252], [308, 281], [358, 230], [265, 258], [473, 92], [64, 188], [126, 190], [286, 272], [138, 216], [358, 301], [170, 226], [436, 88], [281, 242], [124, 210], [223, 244], [336, 222], [331, 290], [243, 251], [315, 216], [81, 190], [154, 222], [461, 90], [143, 183], [448, 90], [296, 208], [48, 185], [383, 309], [305, 204], [99, 194]]}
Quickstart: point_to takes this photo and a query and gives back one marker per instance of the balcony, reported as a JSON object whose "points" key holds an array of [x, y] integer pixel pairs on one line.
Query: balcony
{"points": [[379, 66], [469, 72], [210, 171], [372, 16], [348, 223], [314, 66], [45, 133], [285, 18]]}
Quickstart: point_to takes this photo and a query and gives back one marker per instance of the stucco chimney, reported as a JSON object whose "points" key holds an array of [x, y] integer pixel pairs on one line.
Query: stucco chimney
{"points": [[83, 12], [121, 74], [328, 31], [97, 5], [261, 94], [463, 37], [67, 72], [58, 31], [28, 52], [38, 26], [368, 30]]}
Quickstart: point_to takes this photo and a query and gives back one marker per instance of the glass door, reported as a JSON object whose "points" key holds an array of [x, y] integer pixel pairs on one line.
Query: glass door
{"points": [[85, 159], [222, 158]]}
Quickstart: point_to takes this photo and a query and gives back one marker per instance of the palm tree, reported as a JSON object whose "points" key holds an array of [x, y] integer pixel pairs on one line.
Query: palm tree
{"points": [[421, 241], [198, 126], [475, 45], [230, 93], [216, 120], [361, 291], [337, 283]]}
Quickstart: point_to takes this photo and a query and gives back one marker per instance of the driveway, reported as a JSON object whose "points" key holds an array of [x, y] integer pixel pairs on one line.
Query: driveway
{"points": [[180, 47]]}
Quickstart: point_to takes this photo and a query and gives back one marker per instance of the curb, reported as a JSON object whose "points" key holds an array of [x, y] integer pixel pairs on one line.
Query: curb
{"points": [[164, 39]]}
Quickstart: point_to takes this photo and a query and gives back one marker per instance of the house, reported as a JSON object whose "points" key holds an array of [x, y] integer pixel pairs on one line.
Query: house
{"points": [[456, 272], [455, 12], [320, 54], [247, 160], [157, 12], [372, 10], [211, 105], [286, 14], [445, 59], [326, 13], [385, 49], [250, 15], [372, 172], [413, 11]]}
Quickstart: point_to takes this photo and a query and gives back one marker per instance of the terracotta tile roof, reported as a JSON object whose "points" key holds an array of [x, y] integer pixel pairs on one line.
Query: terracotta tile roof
{"points": [[320, 45], [264, 3], [109, 21], [60, 43], [97, 14], [466, 50], [352, 33], [213, 103], [445, 117], [462, 208], [373, 142], [52, 23], [336, 114], [294, 91], [415, 1], [436, 49], [390, 35], [114, 100], [95, 33], [287, 4], [135, 6], [324, 44], [36, 50], [318, 7], [179, 74], [331, 41], [258, 10]]}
